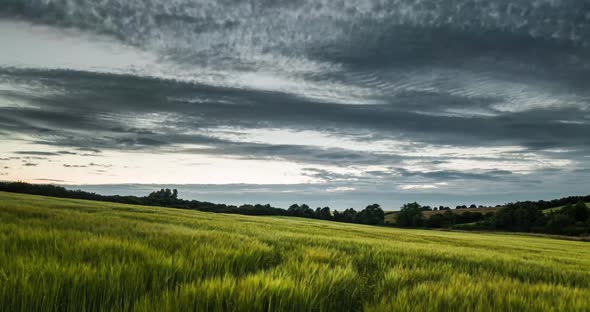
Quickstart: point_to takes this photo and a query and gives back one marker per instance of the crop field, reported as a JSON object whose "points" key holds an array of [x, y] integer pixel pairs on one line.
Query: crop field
{"points": [[75, 255]]}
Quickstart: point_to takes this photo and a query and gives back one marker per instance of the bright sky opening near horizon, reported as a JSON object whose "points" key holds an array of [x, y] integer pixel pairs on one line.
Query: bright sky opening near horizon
{"points": [[325, 102]]}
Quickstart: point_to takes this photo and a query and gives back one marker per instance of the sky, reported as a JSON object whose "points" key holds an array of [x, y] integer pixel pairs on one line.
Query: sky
{"points": [[325, 102]]}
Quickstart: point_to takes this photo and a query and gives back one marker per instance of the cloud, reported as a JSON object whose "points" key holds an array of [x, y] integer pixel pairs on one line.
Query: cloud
{"points": [[99, 165], [50, 180], [417, 187], [340, 189], [528, 128], [481, 96], [30, 164], [36, 153], [455, 174]]}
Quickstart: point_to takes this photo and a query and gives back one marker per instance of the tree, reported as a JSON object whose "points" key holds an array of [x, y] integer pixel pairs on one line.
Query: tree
{"points": [[450, 217], [436, 221], [163, 197], [293, 209], [410, 215], [558, 222], [518, 217], [300, 211], [579, 212], [372, 214], [306, 211], [325, 213], [317, 213], [337, 216], [349, 215], [582, 212]]}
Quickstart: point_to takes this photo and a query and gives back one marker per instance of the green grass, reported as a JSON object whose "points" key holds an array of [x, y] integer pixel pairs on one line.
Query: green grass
{"points": [[74, 255]]}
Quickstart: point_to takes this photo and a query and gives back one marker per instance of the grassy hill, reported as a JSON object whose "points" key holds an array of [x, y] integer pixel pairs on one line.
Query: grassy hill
{"points": [[64, 254]]}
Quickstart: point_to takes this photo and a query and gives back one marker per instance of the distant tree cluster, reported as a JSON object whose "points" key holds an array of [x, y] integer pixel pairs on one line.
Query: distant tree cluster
{"points": [[449, 219], [372, 214], [411, 215], [572, 219]]}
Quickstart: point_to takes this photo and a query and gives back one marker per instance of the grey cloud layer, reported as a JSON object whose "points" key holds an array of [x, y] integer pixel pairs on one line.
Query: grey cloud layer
{"points": [[463, 74], [105, 104]]}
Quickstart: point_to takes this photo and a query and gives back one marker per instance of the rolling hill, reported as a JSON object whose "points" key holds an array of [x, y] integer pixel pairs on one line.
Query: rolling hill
{"points": [[77, 255]]}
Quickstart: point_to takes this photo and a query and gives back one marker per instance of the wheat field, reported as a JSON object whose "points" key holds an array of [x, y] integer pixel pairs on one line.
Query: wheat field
{"points": [[75, 255]]}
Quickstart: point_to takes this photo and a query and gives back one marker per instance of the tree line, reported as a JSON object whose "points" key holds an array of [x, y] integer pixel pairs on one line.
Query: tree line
{"points": [[372, 214], [527, 216], [573, 218]]}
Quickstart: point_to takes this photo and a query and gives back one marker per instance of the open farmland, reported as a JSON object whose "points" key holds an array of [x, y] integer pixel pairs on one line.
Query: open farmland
{"points": [[64, 254]]}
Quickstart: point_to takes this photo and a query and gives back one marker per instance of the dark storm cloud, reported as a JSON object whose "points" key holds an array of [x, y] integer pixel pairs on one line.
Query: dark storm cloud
{"points": [[99, 124], [30, 164], [537, 129], [364, 23]]}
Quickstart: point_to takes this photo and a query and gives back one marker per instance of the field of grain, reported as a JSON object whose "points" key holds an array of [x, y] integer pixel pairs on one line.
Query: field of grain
{"points": [[74, 255]]}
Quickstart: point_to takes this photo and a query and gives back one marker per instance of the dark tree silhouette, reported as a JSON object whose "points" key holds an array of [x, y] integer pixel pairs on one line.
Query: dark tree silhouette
{"points": [[410, 215]]}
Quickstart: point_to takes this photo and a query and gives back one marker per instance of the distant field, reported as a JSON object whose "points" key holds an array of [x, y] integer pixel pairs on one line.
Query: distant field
{"points": [[390, 216], [74, 255]]}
